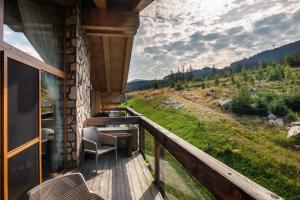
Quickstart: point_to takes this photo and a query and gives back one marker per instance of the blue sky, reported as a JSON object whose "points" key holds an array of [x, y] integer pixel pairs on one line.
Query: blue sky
{"points": [[206, 32]]}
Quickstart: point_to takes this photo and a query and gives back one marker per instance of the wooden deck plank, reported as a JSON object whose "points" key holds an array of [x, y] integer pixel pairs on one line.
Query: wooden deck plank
{"points": [[105, 181], [140, 175], [149, 179], [121, 194], [129, 179], [135, 181]]}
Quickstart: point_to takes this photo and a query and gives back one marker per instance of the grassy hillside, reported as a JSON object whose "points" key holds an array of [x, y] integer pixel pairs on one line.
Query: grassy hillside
{"points": [[247, 144]]}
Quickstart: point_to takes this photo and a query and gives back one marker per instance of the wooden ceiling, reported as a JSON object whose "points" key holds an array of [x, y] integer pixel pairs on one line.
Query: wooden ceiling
{"points": [[111, 26]]}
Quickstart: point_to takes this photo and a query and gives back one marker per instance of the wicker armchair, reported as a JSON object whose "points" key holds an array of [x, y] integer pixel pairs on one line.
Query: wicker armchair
{"points": [[98, 143], [67, 187]]}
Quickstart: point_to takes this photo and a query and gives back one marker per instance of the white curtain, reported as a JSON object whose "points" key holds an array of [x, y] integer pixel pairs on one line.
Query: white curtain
{"points": [[54, 88], [43, 28]]}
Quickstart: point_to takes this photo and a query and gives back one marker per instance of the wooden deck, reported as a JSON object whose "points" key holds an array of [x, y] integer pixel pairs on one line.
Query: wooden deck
{"points": [[130, 179]]}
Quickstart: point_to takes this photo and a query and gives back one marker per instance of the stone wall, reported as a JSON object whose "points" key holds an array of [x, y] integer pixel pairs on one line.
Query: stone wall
{"points": [[77, 63]]}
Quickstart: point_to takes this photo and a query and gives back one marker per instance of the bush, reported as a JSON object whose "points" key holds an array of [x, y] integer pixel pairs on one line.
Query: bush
{"points": [[276, 73], [261, 106], [291, 116], [242, 102], [293, 102], [179, 86], [278, 107]]}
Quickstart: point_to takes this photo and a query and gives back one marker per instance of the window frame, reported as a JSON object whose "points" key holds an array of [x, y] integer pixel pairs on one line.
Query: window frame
{"points": [[9, 51]]}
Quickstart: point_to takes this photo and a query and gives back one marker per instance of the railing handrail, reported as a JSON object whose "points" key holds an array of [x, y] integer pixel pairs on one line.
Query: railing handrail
{"points": [[223, 181]]}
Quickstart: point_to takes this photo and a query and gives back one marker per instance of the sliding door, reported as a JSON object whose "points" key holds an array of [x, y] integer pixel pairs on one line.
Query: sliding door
{"points": [[22, 128]]}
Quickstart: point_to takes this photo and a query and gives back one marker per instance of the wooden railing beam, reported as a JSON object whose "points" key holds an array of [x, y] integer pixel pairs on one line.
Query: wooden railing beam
{"points": [[222, 181], [97, 121]]}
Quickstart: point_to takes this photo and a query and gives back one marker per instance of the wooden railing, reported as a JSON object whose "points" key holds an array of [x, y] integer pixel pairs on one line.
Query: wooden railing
{"points": [[222, 181]]}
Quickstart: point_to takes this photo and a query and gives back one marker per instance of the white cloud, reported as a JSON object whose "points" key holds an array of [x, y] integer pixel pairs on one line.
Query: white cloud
{"points": [[206, 32]]}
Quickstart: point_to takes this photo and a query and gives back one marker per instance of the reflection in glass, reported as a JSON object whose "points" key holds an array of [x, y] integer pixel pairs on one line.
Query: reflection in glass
{"points": [[23, 172], [35, 27], [23, 104], [52, 125]]}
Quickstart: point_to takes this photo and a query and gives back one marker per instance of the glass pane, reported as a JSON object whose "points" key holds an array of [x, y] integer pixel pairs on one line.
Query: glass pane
{"points": [[23, 173], [176, 181], [23, 101], [36, 28], [149, 147], [52, 125]]}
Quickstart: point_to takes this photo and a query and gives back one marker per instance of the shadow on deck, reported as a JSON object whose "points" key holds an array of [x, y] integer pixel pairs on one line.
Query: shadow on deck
{"points": [[130, 179]]}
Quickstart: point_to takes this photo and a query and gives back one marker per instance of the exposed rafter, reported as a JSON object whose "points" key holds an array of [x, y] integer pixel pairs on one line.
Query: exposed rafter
{"points": [[139, 5], [129, 44], [70, 3], [101, 4], [107, 54]]}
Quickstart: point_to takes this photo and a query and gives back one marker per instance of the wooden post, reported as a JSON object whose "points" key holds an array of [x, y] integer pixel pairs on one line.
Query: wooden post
{"points": [[156, 162], [141, 138]]}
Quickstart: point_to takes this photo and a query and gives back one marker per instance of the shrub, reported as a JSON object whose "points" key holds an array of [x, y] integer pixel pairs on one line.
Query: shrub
{"points": [[261, 106], [278, 107], [179, 86], [291, 116], [276, 73], [293, 102], [242, 102]]}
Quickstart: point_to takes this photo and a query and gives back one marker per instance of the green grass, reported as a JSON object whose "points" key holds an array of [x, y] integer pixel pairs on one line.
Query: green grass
{"points": [[262, 153], [176, 181]]}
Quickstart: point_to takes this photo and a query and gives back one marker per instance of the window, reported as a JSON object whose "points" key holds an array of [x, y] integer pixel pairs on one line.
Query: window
{"points": [[52, 125], [35, 28], [23, 172], [23, 104]]}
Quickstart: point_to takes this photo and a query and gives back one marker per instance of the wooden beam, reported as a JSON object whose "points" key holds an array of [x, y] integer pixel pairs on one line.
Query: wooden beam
{"points": [[101, 4], [107, 28], [129, 44], [139, 5], [107, 53], [69, 3], [112, 99], [222, 181], [106, 34], [97, 121], [113, 20]]}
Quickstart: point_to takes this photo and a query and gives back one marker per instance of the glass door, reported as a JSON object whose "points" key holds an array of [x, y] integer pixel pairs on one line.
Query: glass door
{"points": [[23, 128]]}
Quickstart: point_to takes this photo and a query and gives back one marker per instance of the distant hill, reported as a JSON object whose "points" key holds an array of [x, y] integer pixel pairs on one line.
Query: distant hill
{"points": [[269, 55], [274, 54]]}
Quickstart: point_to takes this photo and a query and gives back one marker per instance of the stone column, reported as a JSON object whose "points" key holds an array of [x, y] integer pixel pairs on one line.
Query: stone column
{"points": [[77, 63]]}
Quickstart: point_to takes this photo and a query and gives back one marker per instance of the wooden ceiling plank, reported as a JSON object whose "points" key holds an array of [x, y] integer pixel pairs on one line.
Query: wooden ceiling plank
{"points": [[108, 28], [107, 53], [139, 5], [129, 44], [101, 4], [106, 34], [70, 3]]}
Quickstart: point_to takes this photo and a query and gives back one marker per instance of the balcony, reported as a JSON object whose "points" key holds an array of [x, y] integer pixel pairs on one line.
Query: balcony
{"points": [[178, 168]]}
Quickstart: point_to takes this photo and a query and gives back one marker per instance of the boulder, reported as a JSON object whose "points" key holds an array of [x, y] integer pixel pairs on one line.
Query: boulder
{"points": [[272, 122], [225, 104], [279, 122], [294, 130], [295, 124], [272, 116], [253, 90]]}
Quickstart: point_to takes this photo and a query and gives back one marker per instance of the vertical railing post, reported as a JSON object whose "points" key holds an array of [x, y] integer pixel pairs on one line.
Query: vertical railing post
{"points": [[141, 138], [156, 162]]}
